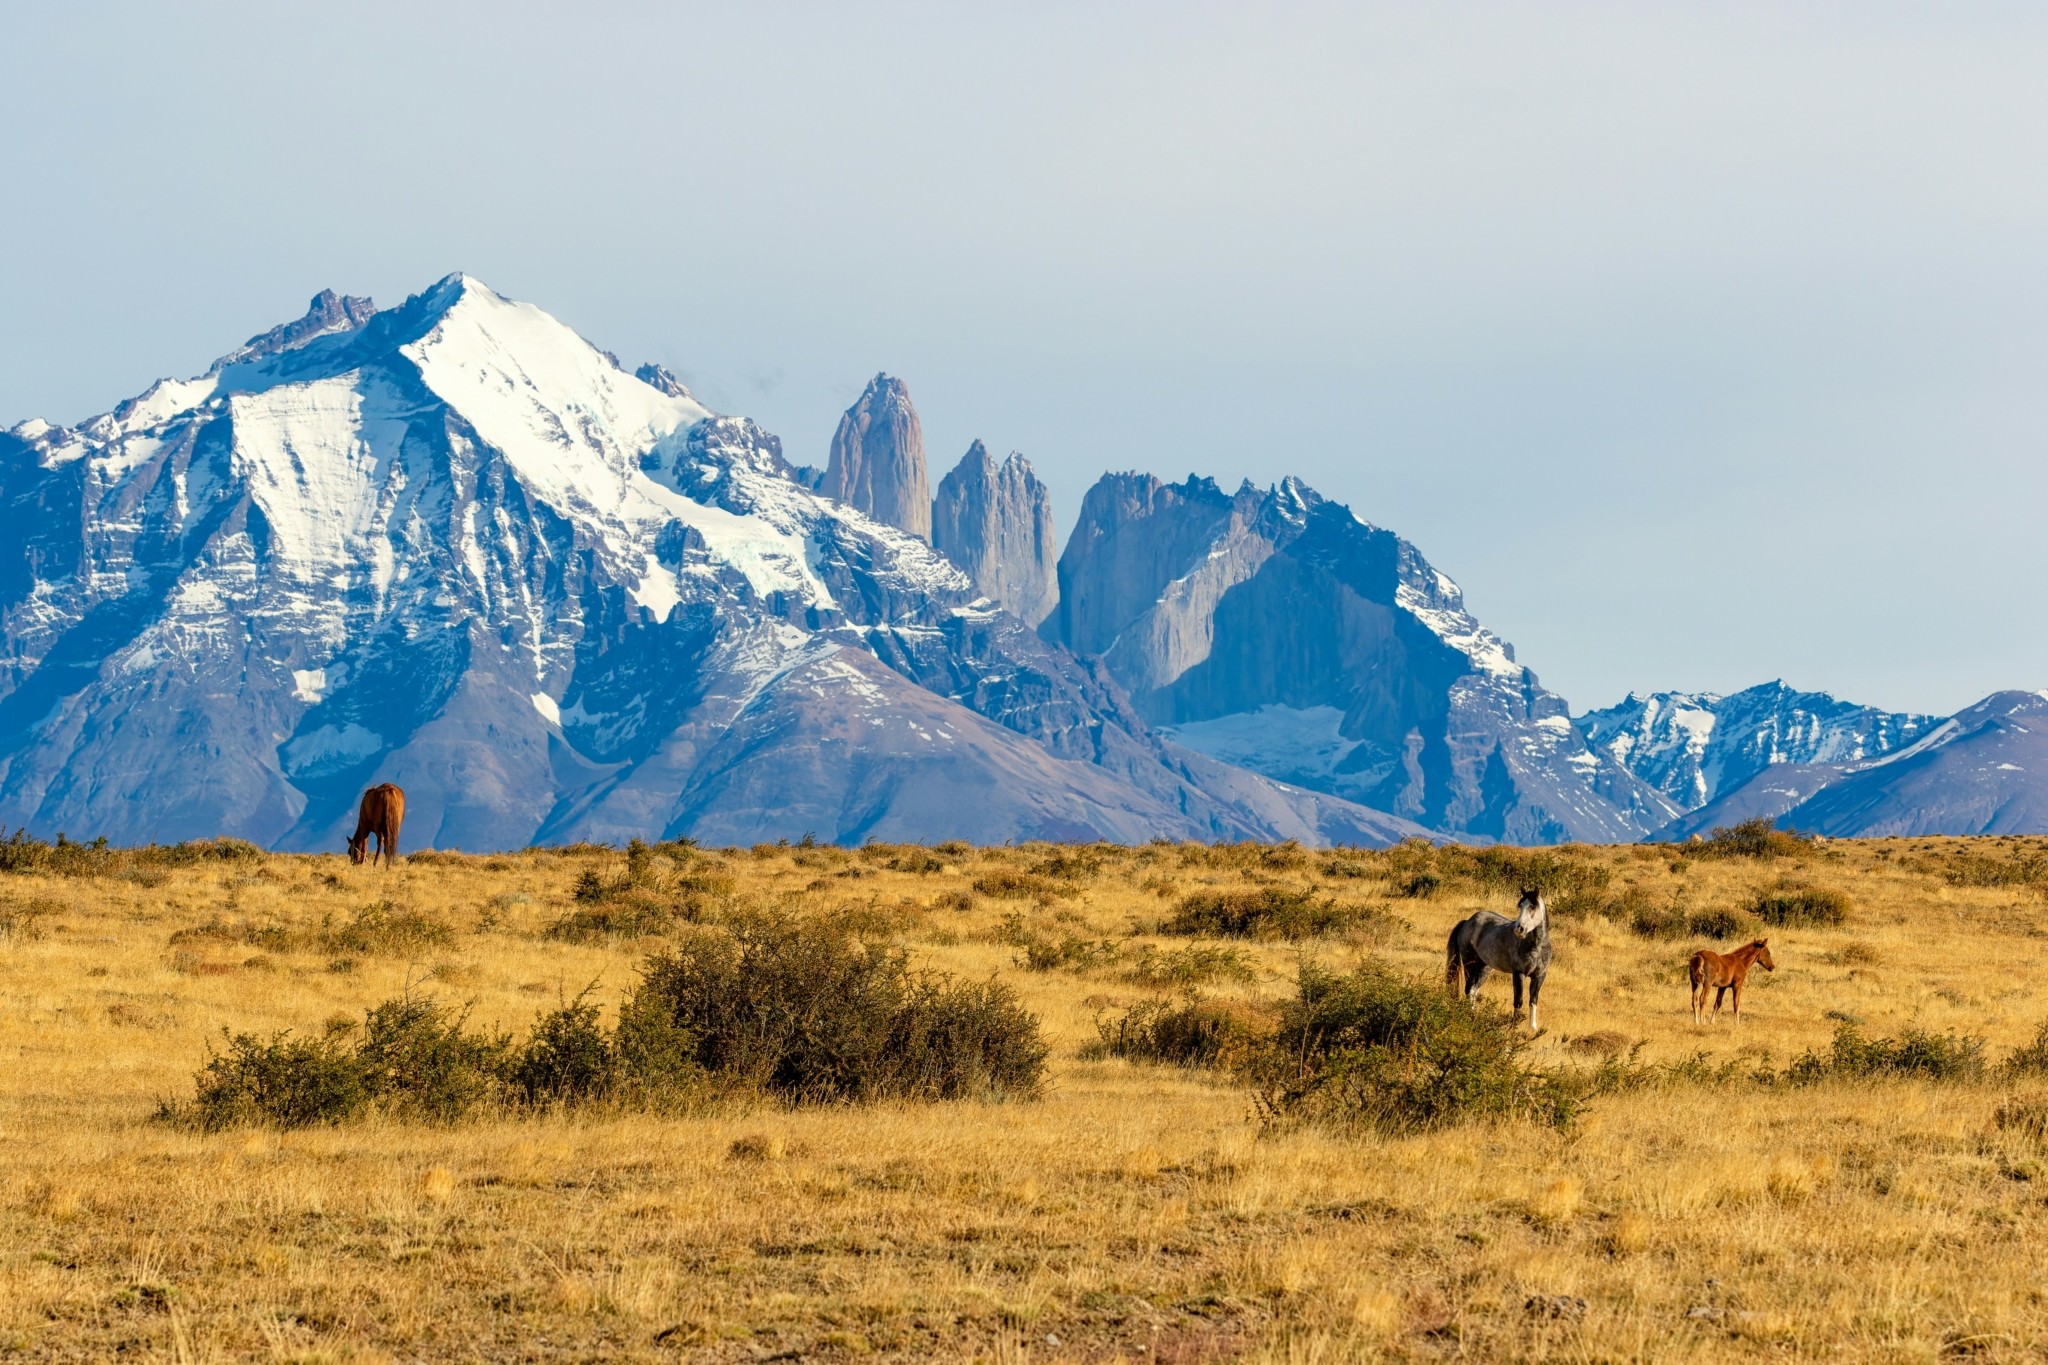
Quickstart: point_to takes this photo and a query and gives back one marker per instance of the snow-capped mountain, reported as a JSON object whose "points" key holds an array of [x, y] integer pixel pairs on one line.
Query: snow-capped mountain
{"points": [[454, 545], [1277, 631], [1695, 747], [1983, 770]]}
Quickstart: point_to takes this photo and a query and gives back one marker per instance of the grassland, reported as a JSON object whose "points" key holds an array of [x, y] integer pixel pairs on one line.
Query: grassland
{"points": [[1135, 1212]]}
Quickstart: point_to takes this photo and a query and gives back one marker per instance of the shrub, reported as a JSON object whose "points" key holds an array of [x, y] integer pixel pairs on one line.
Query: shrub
{"points": [[634, 916], [1045, 955], [2032, 1058], [1972, 869], [1720, 923], [1800, 904], [64, 857], [811, 1011], [1931, 1056], [287, 1081], [568, 1059], [1195, 965], [1377, 1051], [422, 1063], [387, 928], [1259, 912], [1005, 883], [1757, 838], [1647, 917], [1213, 1033]]}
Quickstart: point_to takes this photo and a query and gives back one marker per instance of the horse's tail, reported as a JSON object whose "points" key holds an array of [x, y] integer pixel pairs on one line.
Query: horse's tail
{"points": [[1697, 969], [1454, 974]]}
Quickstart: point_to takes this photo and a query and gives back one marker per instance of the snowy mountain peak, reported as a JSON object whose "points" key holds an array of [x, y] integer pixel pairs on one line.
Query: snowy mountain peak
{"points": [[1695, 746]]}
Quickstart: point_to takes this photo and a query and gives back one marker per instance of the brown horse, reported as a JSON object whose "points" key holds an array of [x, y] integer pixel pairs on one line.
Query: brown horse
{"points": [[1725, 972], [383, 811]]}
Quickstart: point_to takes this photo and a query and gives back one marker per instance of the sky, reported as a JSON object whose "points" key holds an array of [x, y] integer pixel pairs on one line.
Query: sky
{"points": [[1702, 344]]}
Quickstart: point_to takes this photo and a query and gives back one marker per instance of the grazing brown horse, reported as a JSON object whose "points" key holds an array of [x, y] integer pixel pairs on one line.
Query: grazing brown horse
{"points": [[1725, 972], [383, 811]]}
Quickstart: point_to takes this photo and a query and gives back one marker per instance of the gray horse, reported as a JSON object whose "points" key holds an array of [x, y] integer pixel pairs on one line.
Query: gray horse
{"points": [[1488, 941]]}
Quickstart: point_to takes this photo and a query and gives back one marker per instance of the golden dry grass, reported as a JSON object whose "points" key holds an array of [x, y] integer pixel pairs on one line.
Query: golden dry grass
{"points": [[1134, 1214]]}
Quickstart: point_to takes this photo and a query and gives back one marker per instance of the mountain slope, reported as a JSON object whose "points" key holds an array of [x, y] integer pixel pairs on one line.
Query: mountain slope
{"points": [[1276, 631], [1697, 746], [453, 545], [1984, 770]]}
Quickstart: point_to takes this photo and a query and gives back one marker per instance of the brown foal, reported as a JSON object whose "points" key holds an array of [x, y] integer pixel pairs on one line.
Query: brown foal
{"points": [[1725, 972]]}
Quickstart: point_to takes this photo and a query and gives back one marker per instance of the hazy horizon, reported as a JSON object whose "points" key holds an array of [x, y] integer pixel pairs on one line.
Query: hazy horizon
{"points": [[1701, 348]]}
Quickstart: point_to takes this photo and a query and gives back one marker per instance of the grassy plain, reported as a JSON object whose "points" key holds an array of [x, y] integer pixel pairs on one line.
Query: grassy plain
{"points": [[1134, 1213]]}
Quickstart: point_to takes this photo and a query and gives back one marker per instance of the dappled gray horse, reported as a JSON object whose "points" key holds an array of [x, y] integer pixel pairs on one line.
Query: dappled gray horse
{"points": [[1488, 941]]}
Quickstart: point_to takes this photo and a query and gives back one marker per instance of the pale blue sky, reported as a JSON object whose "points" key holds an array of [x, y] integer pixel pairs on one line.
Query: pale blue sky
{"points": [[1702, 344]]}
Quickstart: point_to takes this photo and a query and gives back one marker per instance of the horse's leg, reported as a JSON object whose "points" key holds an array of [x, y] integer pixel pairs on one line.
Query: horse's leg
{"points": [[1535, 994], [1736, 986], [1720, 994], [1518, 993], [1476, 972]]}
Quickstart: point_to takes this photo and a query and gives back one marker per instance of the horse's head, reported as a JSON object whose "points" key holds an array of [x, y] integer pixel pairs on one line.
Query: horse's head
{"points": [[1531, 914], [1763, 955], [357, 845]]}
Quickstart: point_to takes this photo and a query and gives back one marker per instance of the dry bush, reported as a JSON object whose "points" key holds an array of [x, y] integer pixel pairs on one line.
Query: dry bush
{"points": [[1800, 905], [1259, 912], [1197, 964], [1005, 883], [1209, 1033], [1757, 838]]}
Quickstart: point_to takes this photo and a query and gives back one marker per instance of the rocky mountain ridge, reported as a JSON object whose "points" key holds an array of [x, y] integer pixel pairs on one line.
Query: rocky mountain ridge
{"points": [[1695, 746]]}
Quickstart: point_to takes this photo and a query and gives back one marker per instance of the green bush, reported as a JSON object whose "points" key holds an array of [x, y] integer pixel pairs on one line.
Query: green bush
{"points": [[422, 1063], [810, 1011], [1210, 1033], [286, 1081], [1373, 1050], [1914, 1053], [1258, 912], [567, 1059], [1800, 904]]}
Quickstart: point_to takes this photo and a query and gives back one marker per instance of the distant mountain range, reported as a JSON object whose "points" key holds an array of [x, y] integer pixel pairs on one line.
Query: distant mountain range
{"points": [[454, 545]]}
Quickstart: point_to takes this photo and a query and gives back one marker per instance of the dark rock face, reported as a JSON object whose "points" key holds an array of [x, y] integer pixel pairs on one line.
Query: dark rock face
{"points": [[877, 461], [1984, 770], [996, 523], [1275, 631], [594, 610], [329, 312], [661, 378], [1695, 747]]}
